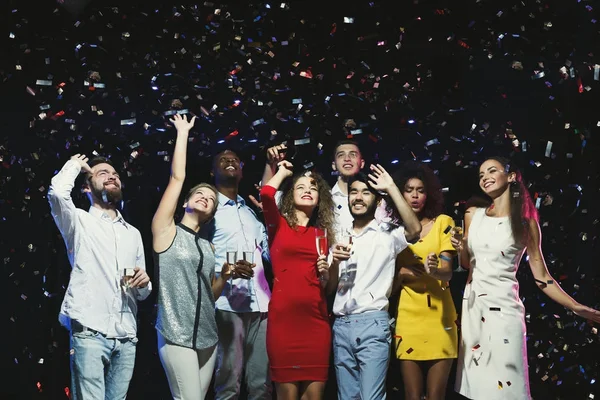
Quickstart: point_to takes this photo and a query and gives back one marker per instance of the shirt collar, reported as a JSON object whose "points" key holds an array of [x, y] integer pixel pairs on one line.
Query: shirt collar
{"points": [[336, 191], [96, 212], [224, 200], [371, 226]]}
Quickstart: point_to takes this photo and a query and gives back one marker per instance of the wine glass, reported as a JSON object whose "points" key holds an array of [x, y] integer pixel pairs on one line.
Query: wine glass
{"points": [[458, 231]]}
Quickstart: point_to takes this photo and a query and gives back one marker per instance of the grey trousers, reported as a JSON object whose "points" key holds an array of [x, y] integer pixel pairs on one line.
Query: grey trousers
{"points": [[242, 346]]}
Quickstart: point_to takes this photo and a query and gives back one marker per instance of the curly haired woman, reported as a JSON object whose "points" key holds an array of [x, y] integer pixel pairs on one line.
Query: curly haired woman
{"points": [[298, 334], [426, 332]]}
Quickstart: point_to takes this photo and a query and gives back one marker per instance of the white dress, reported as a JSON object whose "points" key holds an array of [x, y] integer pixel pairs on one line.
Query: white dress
{"points": [[492, 359]]}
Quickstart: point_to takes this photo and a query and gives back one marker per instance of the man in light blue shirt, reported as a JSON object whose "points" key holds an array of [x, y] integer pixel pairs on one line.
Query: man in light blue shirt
{"points": [[242, 308], [108, 278]]}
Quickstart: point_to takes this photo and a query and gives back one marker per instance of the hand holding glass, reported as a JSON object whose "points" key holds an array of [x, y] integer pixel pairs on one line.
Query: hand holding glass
{"points": [[457, 232], [126, 277], [231, 260]]}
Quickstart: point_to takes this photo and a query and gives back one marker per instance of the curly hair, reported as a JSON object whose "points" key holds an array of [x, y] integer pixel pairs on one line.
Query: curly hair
{"points": [[434, 204], [323, 217]]}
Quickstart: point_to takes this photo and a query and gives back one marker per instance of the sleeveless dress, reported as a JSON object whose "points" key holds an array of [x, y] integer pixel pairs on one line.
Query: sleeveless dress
{"points": [[298, 333], [186, 305], [426, 326], [492, 360]]}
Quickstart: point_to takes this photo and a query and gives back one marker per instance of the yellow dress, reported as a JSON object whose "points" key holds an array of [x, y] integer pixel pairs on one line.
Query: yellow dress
{"points": [[426, 323]]}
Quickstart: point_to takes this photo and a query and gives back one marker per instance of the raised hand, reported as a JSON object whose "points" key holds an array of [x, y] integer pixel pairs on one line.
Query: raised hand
{"points": [[285, 168], [82, 161], [254, 200], [276, 154], [380, 179], [181, 123]]}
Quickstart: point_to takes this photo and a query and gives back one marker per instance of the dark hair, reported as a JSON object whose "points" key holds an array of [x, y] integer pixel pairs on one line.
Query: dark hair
{"points": [[522, 209], [324, 215], [95, 161], [343, 142], [219, 152], [362, 177], [434, 204]]}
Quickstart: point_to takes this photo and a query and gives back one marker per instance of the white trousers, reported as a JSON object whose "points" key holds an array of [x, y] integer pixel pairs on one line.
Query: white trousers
{"points": [[189, 371]]}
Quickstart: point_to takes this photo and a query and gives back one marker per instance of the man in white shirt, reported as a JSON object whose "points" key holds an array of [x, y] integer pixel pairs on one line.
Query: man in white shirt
{"points": [[108, 277], [362, 273]]}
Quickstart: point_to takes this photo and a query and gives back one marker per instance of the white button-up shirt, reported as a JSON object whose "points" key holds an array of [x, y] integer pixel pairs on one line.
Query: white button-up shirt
{"points": [[343, 218], [374, 253], [99, 248]]}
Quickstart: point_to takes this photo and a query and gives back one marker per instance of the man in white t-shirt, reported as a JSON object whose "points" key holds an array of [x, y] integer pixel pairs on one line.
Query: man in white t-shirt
{"points": [[347, 161], [362, 274]]}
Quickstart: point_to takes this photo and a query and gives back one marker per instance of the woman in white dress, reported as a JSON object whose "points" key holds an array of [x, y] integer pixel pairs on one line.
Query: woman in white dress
{"points": [[492, 359]]}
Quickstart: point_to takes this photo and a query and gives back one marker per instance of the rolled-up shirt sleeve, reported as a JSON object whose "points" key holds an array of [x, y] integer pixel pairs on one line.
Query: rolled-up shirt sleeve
{"points": [[62, 207], [399, 239]]}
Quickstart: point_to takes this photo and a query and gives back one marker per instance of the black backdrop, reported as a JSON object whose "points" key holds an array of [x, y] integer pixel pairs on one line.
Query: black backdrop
{"points": [[438, 81]]}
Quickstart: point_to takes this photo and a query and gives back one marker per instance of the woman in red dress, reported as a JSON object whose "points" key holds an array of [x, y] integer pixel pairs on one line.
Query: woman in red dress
{"points": [[298, 333]]}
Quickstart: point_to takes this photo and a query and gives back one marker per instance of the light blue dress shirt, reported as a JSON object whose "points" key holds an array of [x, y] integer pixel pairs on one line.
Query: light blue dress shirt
{"points": [[237, 228]]}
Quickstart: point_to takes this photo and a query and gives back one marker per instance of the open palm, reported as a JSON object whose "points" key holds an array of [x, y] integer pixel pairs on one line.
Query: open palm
{"points": [[181, 123]]}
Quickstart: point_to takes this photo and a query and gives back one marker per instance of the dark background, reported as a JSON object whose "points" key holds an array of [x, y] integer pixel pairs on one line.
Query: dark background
{"points": [[466, 73]]}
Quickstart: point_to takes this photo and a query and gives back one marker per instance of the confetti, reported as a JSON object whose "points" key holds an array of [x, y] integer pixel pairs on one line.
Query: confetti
{"points": [[264, 73]]}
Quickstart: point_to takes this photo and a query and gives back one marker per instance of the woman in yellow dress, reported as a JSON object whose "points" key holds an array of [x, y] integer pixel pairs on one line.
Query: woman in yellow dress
{"points": [[426, 335]]}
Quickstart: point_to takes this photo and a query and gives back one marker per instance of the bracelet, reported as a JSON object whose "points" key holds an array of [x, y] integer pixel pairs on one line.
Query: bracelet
{"points": [[445, 258]]}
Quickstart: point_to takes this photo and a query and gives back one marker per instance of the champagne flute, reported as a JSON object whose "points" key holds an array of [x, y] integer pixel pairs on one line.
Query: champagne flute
{"points": [[458, 231], [321, 241], [231, 260], [126, 277], [248, 256], [345, 236]]}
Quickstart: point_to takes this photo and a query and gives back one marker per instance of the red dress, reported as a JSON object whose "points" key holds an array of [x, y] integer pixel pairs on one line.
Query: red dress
{"points": [[298, 332]]}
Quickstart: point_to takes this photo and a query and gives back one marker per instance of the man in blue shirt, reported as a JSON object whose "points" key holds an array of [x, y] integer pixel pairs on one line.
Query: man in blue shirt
{"points": [[242, 308]]}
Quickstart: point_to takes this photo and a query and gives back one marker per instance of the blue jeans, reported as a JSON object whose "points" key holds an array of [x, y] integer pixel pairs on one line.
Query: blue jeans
{"points": [[361, 354], [101, 368]]}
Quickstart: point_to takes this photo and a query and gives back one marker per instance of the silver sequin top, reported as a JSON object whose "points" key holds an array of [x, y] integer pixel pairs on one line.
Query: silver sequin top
{"points": [[186, 305]]}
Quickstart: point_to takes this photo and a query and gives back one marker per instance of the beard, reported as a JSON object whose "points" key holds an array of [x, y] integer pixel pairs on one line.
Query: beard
{"points": [[368, 215], [109, 196]]}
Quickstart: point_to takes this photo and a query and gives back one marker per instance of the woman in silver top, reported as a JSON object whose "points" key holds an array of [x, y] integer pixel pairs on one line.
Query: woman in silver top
{"points": [[186, 327]]}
